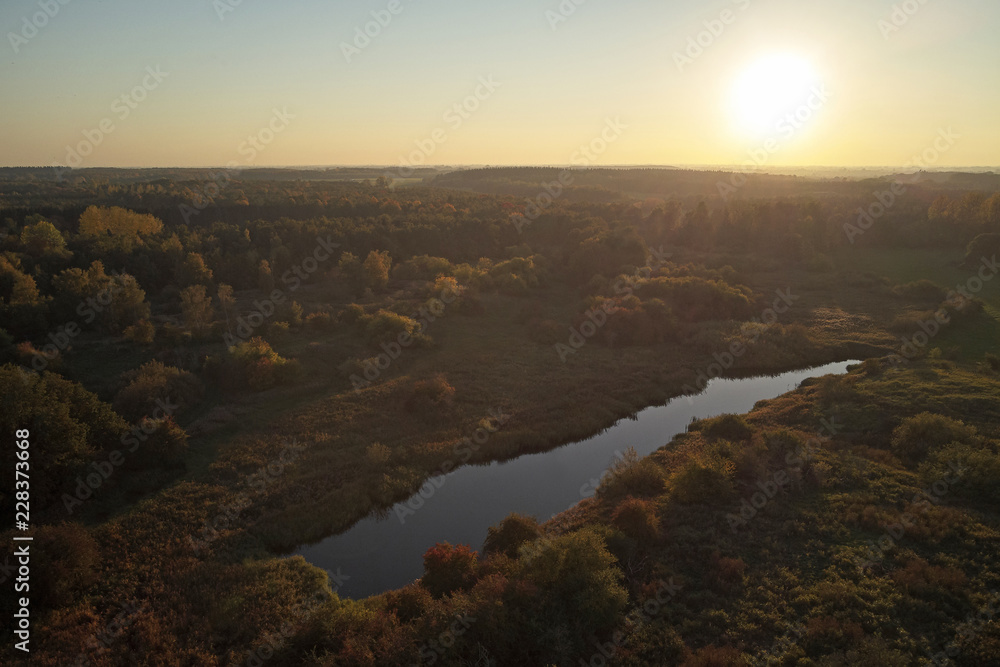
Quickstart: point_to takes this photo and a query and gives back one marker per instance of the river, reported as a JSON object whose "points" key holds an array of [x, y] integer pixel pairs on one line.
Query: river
{"points": [[380, 554]]}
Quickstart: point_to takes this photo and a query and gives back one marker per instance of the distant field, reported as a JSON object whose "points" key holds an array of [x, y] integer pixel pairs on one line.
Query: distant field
{"points": [[907, 265]]}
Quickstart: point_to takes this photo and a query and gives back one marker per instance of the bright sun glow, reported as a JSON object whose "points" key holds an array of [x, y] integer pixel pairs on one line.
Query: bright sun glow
{"points": [[769, 89]]}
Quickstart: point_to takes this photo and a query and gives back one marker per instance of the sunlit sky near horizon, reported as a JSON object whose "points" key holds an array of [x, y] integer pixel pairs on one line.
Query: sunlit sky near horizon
{"points": [[865, 96]]}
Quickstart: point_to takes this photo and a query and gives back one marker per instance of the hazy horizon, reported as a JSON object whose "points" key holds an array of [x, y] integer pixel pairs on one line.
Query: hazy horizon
{"points": [[775, 169]]}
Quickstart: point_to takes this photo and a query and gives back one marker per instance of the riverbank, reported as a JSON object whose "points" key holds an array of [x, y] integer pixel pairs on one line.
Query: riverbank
{"points": [[385, 550]]}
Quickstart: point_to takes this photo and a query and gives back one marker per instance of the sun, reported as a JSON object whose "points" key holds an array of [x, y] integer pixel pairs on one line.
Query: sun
{"points": [[769, 89]]}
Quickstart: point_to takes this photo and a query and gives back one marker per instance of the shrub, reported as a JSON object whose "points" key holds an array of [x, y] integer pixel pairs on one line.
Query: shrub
{"points": [[750, 462], [353, 314], [320, 320], [252, 364], [293, 313], [447, 287], [835, 389], [386, 327], [696, 483], [277, 330], [781, 442], [357, 367], [872, 367], [508, 536], [410, 603], [448, 569], [153, 385], [635, 322], [637, 519], [980, 470], [918, 435], [578, 587], [422, 267], [141, 333], [726, 427], [166, 442], [430, 397], [633, 476], [516, 276], [696, 299]]}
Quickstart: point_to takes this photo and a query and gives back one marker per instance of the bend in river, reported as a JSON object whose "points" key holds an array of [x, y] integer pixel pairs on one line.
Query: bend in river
{"points": [[380, 554]]}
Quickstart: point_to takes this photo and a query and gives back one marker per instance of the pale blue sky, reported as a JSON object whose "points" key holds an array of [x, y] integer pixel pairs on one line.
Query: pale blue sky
{"points": [[888, 97]]}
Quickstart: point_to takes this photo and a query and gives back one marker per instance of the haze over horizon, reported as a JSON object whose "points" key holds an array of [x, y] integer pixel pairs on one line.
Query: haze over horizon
{"points": [[439, 82]]}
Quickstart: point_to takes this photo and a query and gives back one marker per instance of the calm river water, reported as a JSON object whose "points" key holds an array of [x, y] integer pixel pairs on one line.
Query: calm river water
{"points": [[377, 555]]}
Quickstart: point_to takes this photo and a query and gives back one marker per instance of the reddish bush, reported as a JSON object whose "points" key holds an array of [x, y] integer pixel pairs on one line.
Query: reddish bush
{"points": [[448, 569], [919, 575], [637, 519]]}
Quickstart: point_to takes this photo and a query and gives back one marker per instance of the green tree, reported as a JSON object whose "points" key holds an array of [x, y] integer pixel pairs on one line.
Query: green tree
{"points": [[74, 287], [194, 271], [227, 302], [166, 445], [265, 281], [117, 228], [22, 308], [350, 271], [196, 307], [42, 239], [69, 429], [113, 302], [509, 535], [375, 270], [579, 592], [924, 433], [142, 332], [128, 304]]}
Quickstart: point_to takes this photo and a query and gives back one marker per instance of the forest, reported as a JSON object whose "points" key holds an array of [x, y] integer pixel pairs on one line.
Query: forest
{"points": [[217, 367]]}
